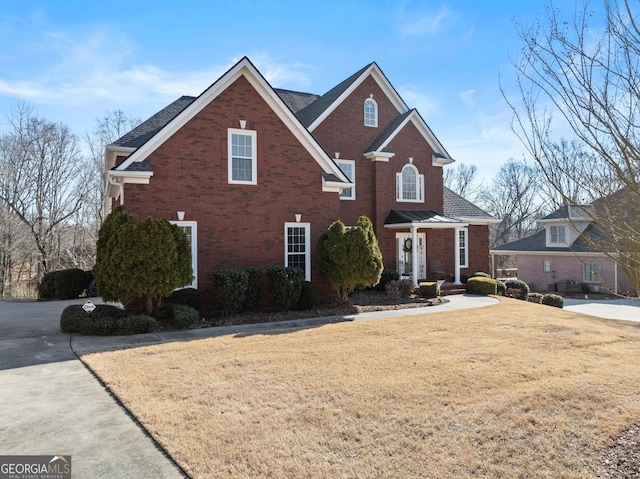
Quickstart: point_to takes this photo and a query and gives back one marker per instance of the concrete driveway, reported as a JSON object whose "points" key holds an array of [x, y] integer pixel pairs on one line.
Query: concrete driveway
{"points": [[53, 405], [627, 309]]}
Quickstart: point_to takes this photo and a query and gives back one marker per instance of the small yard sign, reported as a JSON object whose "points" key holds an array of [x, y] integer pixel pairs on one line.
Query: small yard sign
{"points": [[88, 306]]}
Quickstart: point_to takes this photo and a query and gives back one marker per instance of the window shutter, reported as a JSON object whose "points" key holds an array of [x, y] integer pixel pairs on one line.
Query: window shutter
{"points": [[398, 183]]}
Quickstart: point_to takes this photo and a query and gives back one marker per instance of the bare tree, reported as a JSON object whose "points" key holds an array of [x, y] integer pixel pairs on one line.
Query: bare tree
{"points": [[40, 161], [462, 179], [113, 125], [513, 196], [576, 74]]}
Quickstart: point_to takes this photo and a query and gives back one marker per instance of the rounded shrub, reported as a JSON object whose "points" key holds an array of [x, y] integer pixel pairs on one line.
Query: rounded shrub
{"points": [[70, 283], [553, 300], [230, 289], [535, 298], [187, 296], [309, 296], [179, 316], [481, 286], [74, 318], [517, 289], [480, 274], [501, 287], [71, 318], [429, 289], [137, 324], [47, 286], [254, 293], [286, 285]]}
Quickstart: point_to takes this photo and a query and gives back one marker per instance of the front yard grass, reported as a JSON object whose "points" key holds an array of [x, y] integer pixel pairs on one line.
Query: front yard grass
{"points": [[512, 390]]}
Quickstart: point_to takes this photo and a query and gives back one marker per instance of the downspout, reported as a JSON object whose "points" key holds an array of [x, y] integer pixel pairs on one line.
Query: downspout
{"points": [[456, 254], [414, 255], [615, 277]]}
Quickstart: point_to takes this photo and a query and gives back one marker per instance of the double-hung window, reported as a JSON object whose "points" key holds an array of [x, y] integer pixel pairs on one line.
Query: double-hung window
{"points": [[190, 228], [242, 157], [410, 185], [349, 169], [297, 247], [463, 247]]}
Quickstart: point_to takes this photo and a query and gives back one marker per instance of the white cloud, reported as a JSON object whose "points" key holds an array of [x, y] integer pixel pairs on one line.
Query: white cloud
{"points": [[416, 23], [468, 97]]}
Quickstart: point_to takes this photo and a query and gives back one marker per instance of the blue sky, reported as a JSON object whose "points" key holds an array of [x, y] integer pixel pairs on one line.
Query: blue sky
{"points": [[75, 60]]}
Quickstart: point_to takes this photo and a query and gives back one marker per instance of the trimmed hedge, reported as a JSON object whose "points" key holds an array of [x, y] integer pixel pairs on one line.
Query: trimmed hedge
{"points": [[286, 285], [104, 320], [535, 298], [179, 316], [480, 274], [309, 296], [47, 286], [553, 300], [230, 287], [429, 289], [254, 293], [187, 296], [517, 289], [501, 287], [481, 285]]}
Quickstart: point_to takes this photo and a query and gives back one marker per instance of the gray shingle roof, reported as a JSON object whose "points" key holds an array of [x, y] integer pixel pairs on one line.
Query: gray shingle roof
{"points": [[309, 114], [145, 131], [397, 121], [538, 242], [458, 207], [296, 100]]}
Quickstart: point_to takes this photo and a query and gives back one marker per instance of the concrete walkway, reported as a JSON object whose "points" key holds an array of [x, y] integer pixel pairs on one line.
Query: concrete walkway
{"points": [[622, 309]]}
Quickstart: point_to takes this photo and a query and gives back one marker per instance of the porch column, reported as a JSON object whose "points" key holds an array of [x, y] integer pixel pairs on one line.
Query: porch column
{"points": [[414, 255], [456, 253]]}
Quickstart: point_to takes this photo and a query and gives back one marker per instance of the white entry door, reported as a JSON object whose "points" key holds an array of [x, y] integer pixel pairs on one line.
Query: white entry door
{"points": [[403, 255]]}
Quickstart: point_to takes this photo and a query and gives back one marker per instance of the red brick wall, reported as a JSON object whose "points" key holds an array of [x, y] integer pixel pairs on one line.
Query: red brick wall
{"points": [[238, 225]]}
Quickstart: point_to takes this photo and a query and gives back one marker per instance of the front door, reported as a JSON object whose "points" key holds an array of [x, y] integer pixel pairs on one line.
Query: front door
{"points": [[404, 252]]}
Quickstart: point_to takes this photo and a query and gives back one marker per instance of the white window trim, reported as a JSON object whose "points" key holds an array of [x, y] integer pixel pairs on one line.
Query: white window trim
{"points": [[307, 240], [465, 232], [353, 178], [194, 250], [419, 186], [375, 116], [254, 156]]}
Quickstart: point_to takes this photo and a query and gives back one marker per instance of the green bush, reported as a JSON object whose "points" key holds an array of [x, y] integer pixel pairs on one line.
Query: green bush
{"points": [[71, 318], [309, 296], [480, 274], [482, 286], [187, 296], [501, 288], [230, 288], [70, 283], [429, 290], [387, 276], [137, 324], [179, 316], [47, 287], [517, 289], [254, 292], [286, 285], [535, 298], [553, 300]]}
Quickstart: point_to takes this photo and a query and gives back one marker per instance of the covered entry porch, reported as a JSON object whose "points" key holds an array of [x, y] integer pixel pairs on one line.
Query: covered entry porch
{"points": [[412, 249]]}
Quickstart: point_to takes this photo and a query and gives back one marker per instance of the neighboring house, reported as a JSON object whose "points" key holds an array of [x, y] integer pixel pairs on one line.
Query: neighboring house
{"points": [[562, 255], [255, 175]]}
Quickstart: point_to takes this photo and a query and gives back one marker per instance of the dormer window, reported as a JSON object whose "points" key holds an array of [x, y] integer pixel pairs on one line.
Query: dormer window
{"points": [[410, 185], [370, 112], [557, 234]]}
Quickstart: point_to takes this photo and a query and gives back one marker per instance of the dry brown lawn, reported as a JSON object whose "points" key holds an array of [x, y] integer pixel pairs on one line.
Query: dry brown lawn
{"points": [[511, 390]]}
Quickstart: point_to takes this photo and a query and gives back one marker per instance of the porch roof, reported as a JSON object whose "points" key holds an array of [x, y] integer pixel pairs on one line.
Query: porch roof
{"points": [[421, 219]]}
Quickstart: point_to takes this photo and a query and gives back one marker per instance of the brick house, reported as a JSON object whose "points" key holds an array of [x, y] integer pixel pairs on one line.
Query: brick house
{"points": [[563, 256], [255, 175]]}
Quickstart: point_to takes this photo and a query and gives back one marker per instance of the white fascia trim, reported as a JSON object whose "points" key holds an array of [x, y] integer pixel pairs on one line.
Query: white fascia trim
{"points": [[382, 82], [117, 179], [418, 225], [479, 221], [427, 134], [573, 254], [335, 186], [243, 68], [379, 156]]}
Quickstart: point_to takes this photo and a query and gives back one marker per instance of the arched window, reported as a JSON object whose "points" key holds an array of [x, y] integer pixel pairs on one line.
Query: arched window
{"points": [[410, 185], [370, 112]]}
